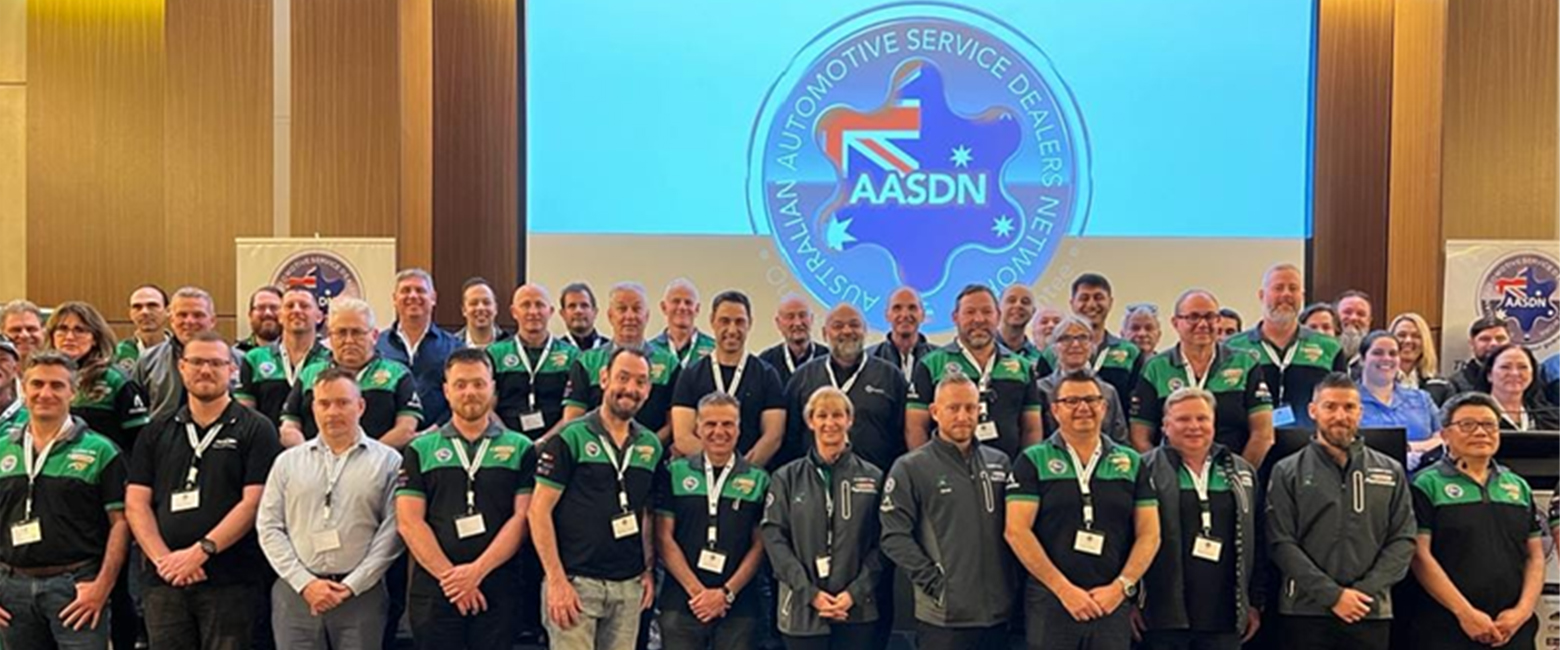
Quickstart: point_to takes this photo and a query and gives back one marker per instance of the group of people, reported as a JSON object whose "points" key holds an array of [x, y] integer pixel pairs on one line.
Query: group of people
{"points": [[309, 485]]}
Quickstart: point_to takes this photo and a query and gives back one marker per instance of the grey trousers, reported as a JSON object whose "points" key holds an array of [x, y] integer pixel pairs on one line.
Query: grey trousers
{"points": [[609, 616], [357, 624]]}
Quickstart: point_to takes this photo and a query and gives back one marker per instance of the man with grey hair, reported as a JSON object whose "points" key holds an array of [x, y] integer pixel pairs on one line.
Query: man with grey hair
{"points": [[393, 408], [1293, 359], [413, 341], [628, 313], [22, 322], [191, 312], [680, 308], [1072, 345], [875, 387], [794, 320], [12, 412]]}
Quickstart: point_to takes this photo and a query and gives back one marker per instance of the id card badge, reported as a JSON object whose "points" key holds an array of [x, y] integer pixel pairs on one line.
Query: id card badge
{"points": [[184, 500], [326, 540], [712, 561], [986, 431], [1207, 548], [1284, 415], [822, 564], [26, 532], [470, 526], [1089, 542], [625, 525], [531, 421]]}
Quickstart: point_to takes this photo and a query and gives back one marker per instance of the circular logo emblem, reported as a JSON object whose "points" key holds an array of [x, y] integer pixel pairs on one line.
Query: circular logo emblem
{"points": [[267, 368], [592, 449], [1454, 491], [322, 272], [1175, 384], [444, 455], [8, 464], [917, 144], [690, 483], [511, 360], [888, 486], [1520, 289], [1056, 466]]}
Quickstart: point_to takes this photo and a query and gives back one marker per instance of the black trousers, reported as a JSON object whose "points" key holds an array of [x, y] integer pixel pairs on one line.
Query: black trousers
{"points": [[681, 630], [437, 625], [1330, 633], [1048, 626], [200, 616], [934, 637], [1186, 640], [841, 636]]}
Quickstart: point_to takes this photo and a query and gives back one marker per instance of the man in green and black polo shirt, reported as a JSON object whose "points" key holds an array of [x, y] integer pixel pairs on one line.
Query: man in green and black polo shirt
{"points": [[149, 314], [62, 497], [1292, 358], [682, 338], [269, 372], [732, 370], [195, 484], [1245, 409], [628, 314], [265, 325], [532, 367], [1010, 401], [461, 507], [599, 469], [709, 506], [1083, 520], [387, 386], [13, 409], [1117, 361]]}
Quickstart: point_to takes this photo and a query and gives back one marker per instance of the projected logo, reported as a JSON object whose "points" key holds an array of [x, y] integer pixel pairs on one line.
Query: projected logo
{"points": [[917, 144], [1521, 290], [323, 273]]}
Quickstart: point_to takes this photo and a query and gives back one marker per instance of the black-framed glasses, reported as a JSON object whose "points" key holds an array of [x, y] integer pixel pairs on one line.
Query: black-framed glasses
{"points": [[1080, 400], [1470, 426], [1200, 317]]}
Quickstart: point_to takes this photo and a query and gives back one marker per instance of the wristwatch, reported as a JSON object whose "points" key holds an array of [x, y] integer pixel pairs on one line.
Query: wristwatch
{"points": [[1128, 587], [731, 597], [207, 546]]}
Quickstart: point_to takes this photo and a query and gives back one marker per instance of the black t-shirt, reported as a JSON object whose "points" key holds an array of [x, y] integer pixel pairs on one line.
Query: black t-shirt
{"points": [[83, 479], [585, 383], [759, 391], [877, 434], [681, 495], [576, 462], [515, 382], [240, 455], [431, 471], [1209, 608], [779, 357]]}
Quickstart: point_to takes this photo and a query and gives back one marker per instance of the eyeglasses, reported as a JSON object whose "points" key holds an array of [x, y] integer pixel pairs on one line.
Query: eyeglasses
{"points": [[1071, 339], [1470, 426], [1201, 317], [1081, 400], [202, 364], [346, 332], [72, 330]]}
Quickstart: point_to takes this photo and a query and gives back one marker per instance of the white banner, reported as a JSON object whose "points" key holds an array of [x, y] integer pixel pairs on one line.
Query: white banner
{"points": [[1511, 279], [358, 267]]}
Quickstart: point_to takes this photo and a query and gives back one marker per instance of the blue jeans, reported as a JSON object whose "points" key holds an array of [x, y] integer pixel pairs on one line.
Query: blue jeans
{"points": [[35, 604]]}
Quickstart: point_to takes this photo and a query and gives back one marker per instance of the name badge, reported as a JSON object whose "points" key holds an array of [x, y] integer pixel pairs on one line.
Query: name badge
{"points": [[185, 500], [470, 526], [325, 540], [532, 421], [1207, 548], [1284, 415], [1089, 542], [822, 564], [625, 525], [26, 532], [712, 561], [986, 431]]}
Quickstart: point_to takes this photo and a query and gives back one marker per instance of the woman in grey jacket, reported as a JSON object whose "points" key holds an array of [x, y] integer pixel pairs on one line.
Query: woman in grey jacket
{"points": [[820, 531]]}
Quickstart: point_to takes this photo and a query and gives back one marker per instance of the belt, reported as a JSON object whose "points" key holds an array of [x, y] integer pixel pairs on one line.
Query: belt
{"points": [[46, 571], [332, 577]]}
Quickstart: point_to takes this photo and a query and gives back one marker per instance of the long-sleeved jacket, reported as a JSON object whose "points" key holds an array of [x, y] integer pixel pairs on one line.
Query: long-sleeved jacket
{"points": [[1164, 595], [795, 529], [942, 518], [1333, 527]]}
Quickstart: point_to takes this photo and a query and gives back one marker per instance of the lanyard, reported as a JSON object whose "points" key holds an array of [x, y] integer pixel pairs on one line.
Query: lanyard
{"points": [[790, 364], [686, 353], [471, 468], [338, 465], [828, 509], [985, 372], [736, 377], [530, 370], [34, 469], [1084, 473], [907, 364], [712, 489], [1200, 484], [16, 405], [848, 382], [1191, 375], [200, 445], [289, 370], [611, 449]]}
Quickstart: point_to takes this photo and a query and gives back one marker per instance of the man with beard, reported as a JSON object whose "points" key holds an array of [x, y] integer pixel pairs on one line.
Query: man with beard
{"points": [[875, 387], [1116, 360], [1018, 308], [1341, 525], [265, 327], [1485, 335], [269, 372], [578, 305], [149, 314], [393, 410], [793, 319], [193, 312], [532, 367], [628, 314], [905, 345], [1010, 401], [479, 307], [1292, 359], [600, 469], [731, 370], [1354, 316], [680, 308]]}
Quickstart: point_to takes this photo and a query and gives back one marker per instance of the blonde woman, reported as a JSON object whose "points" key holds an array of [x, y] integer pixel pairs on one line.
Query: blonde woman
{"points": [[1420, 365]]}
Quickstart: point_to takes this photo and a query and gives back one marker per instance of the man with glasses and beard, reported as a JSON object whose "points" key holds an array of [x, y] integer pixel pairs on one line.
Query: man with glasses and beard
{"points": [[265, 324]]}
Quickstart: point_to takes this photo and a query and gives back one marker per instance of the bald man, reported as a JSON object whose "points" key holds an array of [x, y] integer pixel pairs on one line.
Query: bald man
{"points": [[905, 345], [794, 320], [876, 388], [531, 369], [680, 308], [1016, 310]]}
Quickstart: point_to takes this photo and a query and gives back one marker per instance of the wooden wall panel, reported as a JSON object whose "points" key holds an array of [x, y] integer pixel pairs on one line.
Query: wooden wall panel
{"points": [[345, 121], [1414, 250], [1353, 135], [1500, 127], [416, 68], [475, 146], [13, 189]]}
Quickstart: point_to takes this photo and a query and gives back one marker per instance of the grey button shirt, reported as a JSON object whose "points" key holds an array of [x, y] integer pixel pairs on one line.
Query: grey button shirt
{"points": [[362, 513]]}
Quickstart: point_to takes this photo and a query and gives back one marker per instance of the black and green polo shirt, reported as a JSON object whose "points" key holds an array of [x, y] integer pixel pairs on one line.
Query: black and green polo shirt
{"points": [[698, 347], [388, 389], [262, 380], [1315, 355], [575, 462], [1029, 352], [114, 406], [1232, 378], [431, 471], [1116, 361], [13, 415], [83, 479], [126, 353], [1044, 474], [1478, 533], [585, 383], [683, 497], [515, 383], [1011, 394]]}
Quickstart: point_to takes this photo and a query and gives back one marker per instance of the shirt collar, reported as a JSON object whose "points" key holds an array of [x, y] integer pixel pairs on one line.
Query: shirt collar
{"points": [[1447, 466], [73, 430], [449, 430], [318, 442], [1056, 440], [738, 463], [1179, 360], [229, 414]]}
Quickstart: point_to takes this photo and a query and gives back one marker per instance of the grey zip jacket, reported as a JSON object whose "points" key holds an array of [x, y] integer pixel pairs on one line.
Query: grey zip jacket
{"points": [[1333, 527], [942, 518], [795, 531]]}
